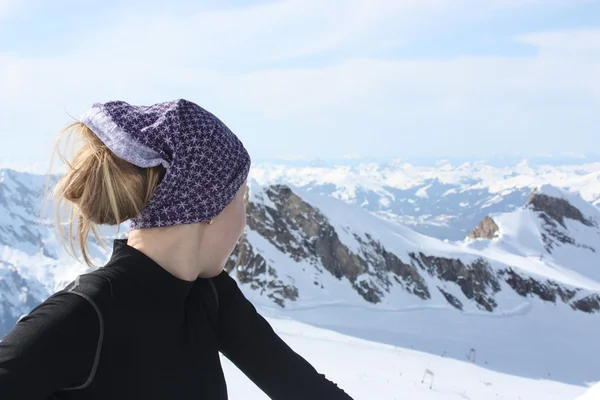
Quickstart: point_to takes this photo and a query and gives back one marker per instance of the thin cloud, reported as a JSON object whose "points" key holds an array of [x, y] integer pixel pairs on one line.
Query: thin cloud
{"points": [[579, 42], [256, 35], [292, 157], [242, 61]]}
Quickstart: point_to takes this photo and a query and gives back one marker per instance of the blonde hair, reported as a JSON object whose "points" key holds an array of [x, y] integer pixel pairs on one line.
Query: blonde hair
{"points": [[98, 188]]}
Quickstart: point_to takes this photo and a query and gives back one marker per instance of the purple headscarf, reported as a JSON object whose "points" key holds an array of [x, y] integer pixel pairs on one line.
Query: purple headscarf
{"points": [[205, 162]]}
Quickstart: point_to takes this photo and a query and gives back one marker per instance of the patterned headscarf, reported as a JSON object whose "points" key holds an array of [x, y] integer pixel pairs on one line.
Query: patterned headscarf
{"points": [[205, 162]]}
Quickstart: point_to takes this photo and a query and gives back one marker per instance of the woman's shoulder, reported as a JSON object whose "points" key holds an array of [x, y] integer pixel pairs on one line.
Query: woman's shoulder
{"points": [[63, 322], [81, 306], [94, 288], [96, 284], [59, 340]]}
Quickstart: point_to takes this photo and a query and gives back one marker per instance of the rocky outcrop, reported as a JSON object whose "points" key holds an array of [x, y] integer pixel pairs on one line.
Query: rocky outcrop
{"points": [[487, 229], [588, 304], [476, 280], [303, 233], [251, 268], [550, 291], [556, 209], [380, 262], [456, 303], [553, 235], [526, 286]]}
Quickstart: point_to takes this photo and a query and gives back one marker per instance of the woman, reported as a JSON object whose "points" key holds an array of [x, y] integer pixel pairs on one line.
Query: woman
{"points": [[151, 322]]}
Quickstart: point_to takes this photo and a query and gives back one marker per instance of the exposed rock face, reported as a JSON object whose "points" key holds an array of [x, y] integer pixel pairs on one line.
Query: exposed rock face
{"points": [[588, 304], [302, 232], [379, 262], [553, 211], [553, 235], [487, 229], [550, 291], [456, 303], [253, 269], [556, 209], [528, 286], [476, 280]]}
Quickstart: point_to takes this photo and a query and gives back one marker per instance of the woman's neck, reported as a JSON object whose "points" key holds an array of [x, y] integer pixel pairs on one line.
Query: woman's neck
{"points": [[176, 249]]}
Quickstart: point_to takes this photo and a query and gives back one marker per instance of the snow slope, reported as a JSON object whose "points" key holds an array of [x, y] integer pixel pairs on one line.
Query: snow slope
{"points": [[592, 394], [370, 370]]}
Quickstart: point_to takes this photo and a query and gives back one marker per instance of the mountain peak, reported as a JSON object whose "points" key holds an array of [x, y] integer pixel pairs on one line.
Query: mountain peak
{"points": [[555, 204]]}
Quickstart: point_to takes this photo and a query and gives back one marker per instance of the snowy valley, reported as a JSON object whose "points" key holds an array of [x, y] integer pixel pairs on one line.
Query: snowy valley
{"points": [[506, 305]]}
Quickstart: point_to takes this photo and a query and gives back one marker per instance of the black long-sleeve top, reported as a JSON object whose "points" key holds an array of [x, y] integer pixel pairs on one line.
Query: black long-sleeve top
{"points": [[131, 330]]}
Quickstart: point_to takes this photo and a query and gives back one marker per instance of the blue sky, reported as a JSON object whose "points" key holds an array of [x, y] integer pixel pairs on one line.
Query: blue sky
{"points": [[314, 78]]}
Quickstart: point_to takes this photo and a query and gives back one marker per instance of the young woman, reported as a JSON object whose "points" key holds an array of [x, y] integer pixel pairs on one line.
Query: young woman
{"points": [[150, 323]]}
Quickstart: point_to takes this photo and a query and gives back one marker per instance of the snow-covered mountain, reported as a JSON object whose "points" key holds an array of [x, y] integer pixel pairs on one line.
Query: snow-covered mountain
{"points": [[32, 262], [521, 294], [556, 234], [333, 250], [444, 200]]}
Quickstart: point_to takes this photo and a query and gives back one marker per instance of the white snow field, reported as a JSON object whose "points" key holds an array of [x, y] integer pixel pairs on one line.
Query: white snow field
{"points": [[370, 370], [592, 394]]}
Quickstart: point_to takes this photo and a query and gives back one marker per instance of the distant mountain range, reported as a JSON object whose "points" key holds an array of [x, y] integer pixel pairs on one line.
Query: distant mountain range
{"points": [[445, 201]]}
